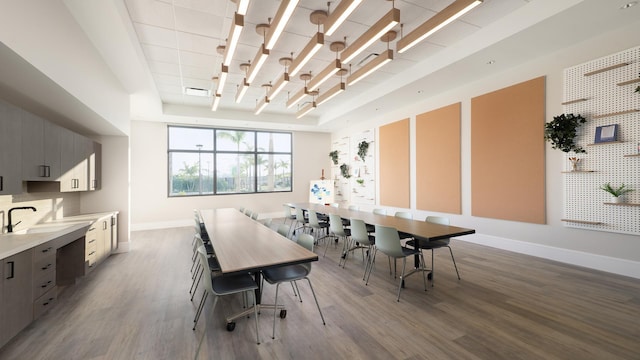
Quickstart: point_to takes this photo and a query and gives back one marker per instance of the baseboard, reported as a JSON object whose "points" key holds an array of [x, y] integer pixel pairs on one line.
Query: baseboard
{"points": [[593, 261]]}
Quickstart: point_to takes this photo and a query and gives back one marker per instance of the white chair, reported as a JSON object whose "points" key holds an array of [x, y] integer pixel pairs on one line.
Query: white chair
{"points": [[404, 215], [316, 226], [363, 240], [388, 242], [424, 244], [301, 220], [337, 229]]}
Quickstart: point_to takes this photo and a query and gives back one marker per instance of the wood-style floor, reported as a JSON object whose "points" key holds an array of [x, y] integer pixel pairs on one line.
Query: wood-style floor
{"points": [[507, 306]]}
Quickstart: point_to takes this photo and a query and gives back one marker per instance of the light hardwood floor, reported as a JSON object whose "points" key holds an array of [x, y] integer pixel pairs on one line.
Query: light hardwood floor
{"points": [[507, 306]]}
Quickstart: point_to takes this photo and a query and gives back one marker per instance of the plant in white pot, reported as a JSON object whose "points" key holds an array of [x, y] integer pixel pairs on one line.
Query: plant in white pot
{"points": [[616, 192]]}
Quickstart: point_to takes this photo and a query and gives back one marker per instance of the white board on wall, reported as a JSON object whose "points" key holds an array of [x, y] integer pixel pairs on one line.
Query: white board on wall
{"points": [[321, 192]]}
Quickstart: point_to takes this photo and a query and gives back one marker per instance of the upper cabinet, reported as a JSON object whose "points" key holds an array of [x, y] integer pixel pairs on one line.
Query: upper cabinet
{"points": [[40, 149], [95, 167], [75, 157], [10, 154]]}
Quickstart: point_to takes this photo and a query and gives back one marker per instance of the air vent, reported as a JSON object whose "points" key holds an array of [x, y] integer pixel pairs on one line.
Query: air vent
{"points": [[196, 92]]}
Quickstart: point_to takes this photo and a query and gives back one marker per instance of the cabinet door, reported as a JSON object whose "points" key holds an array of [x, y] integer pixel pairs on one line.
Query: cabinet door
{"points": [[67, 161], [114, 232], [83, 149], [10, 149], [95, 167], [52, 133], [17, 297], [33, 166]]}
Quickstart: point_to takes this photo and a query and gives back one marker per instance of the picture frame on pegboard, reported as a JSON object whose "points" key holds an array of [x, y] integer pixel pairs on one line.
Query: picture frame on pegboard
{"points": [[606, 133]]}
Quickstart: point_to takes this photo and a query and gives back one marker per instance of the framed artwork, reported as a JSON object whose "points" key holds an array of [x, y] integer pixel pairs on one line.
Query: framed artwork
{"points": [[606, 133], [321, 192]]}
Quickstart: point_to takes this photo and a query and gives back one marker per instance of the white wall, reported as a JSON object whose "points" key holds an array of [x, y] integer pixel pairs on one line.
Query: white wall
{"points": [[152, 208], [612, 252]]}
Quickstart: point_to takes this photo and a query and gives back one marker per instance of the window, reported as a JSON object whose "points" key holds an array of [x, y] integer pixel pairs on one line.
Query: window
{"points": [[206, 161]]}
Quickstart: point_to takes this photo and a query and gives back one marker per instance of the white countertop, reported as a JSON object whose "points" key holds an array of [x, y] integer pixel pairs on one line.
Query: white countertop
{"points": [[13, 243]]}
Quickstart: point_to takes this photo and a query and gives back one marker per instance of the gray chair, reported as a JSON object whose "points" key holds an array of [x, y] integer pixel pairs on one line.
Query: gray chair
{"points": [[388, 242], [284, 230], [288, 215], [300, 220], [292, 273], [226, 285], [255, 215], [317, 228], [404, 215], [362, 239], [337, 229], [424, 244], [213, 267]]}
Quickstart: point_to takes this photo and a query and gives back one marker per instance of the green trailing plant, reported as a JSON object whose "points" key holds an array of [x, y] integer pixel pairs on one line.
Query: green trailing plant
{"points": [[334, 157], [363, 148], [344, 169], [621, 190], [561, 132], [360, 181]]}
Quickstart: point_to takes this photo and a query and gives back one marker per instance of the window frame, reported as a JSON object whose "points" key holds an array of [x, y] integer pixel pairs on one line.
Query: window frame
{"points": [[214, 152]]}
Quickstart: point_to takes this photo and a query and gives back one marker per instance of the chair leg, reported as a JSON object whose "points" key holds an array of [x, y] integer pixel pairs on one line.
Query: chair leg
{"points": [[199, 310], [215, 301], [194, 285], [296, 291], [433, 269], [275, 312], [404, 265], [454, 262], [375, 251], [316, 299], [424, 277], [255, 315]]}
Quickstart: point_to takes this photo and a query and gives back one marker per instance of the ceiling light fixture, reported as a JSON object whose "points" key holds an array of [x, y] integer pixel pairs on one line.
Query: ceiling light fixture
{"points": [[245, 84], [328, 95], [388, 21], [261, 55], [339, 15], [300, 94], [243, 5], [222, 78], [307, 53], [306, 109], [216, 102], [280, 21], [282, 80], [331, 69], [436, 22], [264, 101], [370, 67], [234, 36]]}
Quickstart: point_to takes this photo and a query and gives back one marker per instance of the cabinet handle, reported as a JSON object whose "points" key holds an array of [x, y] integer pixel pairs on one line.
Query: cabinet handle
{"points": [[45, 171], [104, 225], [11, 269], [46, 267], [1, 183], [47, 303], [93, 240], [46, 250], [46, 284], [91, 253], [94, 184], [113, 221]]}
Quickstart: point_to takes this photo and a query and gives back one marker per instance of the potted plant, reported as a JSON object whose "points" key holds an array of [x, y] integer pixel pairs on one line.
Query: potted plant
{"points": [[363, 148], [561, 132], [616, 193], [344, 169], [334, 157], [360, 181]]}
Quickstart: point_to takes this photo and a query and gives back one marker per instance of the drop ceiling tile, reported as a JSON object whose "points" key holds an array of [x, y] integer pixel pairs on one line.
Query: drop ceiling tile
{"points": [[161, 54], [198, 60], [197, 72], [151, 12], [199, 44], [196, 22], [164, 68], [153, 35]]}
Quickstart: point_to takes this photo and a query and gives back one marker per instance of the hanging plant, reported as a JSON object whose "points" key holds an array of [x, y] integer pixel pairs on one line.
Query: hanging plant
{"points": [[363, 148], [561, 132], [334, 157], [344, 169]]}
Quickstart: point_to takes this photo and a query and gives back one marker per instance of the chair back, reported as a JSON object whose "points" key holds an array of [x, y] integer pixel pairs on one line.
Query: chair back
{"points": [[437, 220], [335, 225], [313, 219], [248, 212], [359, 232], [354, 207], [284, 230], [306, 241], [287, 211], [202, 255], [254, 216], [404, 215], [267, 222], [299, 215], [380, 211], [388, 241]]}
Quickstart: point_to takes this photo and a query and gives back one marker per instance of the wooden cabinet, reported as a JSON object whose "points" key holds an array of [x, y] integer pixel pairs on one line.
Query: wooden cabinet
{"points": [[10, 154], [16, 304], [75, 155], [45, 290], [40, 149], [95, 167], [114, 232], [98, 241]]}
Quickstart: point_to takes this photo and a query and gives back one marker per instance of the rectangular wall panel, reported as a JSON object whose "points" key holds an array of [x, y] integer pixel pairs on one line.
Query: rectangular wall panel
{"points": [[507, 153], [394, 164], [438, 160]]}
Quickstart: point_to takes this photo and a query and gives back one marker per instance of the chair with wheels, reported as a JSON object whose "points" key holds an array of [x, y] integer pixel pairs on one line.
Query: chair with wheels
{"points": [[291, 273], [226, 285], [424, 244], [388, 242]]}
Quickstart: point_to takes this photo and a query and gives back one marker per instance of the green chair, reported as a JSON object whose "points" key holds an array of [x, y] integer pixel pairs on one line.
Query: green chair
{"points": [[362, 240], [424, 244], [337, 229]]}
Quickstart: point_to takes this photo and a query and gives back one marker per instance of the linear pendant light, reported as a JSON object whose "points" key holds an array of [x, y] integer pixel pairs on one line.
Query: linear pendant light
{"points": [[280, 84], [243, 5], [306, 109], [261, 105], [234, 36], [258, 61], [328, 95], [339, 15], [307, 53], [216, 102], [222, 79], [325, 74], [280, 21], [297, 97], [435, 23], [370, 67], [388, 21], [242, 90]]}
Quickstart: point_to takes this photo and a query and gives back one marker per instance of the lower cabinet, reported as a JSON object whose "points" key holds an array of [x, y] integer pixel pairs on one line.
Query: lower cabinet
{"points": [[16, 304], [45, 291], [99, 241]]}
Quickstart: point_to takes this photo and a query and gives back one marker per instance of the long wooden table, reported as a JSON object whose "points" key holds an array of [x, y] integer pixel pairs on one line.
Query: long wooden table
{"points": [[243, 245]]}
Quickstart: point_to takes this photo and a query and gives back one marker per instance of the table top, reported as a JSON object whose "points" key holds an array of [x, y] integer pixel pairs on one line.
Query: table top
{"points": [[245, 245], [418, 228]]}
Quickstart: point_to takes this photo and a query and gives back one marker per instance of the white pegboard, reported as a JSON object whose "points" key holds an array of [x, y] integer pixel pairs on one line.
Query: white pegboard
{"points": [[341, 184], [584, 201], [364, 193]]}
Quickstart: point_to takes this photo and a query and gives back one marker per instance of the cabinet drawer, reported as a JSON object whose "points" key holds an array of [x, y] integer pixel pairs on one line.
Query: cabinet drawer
{"points": [[43, 282], [43, 250], [90, 250], [45, 302], [44, 264]]}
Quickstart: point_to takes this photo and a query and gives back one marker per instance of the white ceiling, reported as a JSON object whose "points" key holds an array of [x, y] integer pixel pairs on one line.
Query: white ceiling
{"points": [[156, 47]]}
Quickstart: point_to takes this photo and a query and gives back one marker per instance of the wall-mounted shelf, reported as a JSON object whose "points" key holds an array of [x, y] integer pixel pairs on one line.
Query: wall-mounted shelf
{"points": [[634, 155], [582, 222], [606, 69], [615, 113], [629, 82], [578, 171], [574, 101], [606, 143], [622, 204]]}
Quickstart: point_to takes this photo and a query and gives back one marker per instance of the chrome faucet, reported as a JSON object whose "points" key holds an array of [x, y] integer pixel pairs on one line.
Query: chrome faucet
{"points": [[10, 225]]}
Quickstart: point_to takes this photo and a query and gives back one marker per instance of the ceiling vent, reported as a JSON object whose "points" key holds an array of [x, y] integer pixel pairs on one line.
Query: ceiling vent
{"points": [[196, 92]]}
